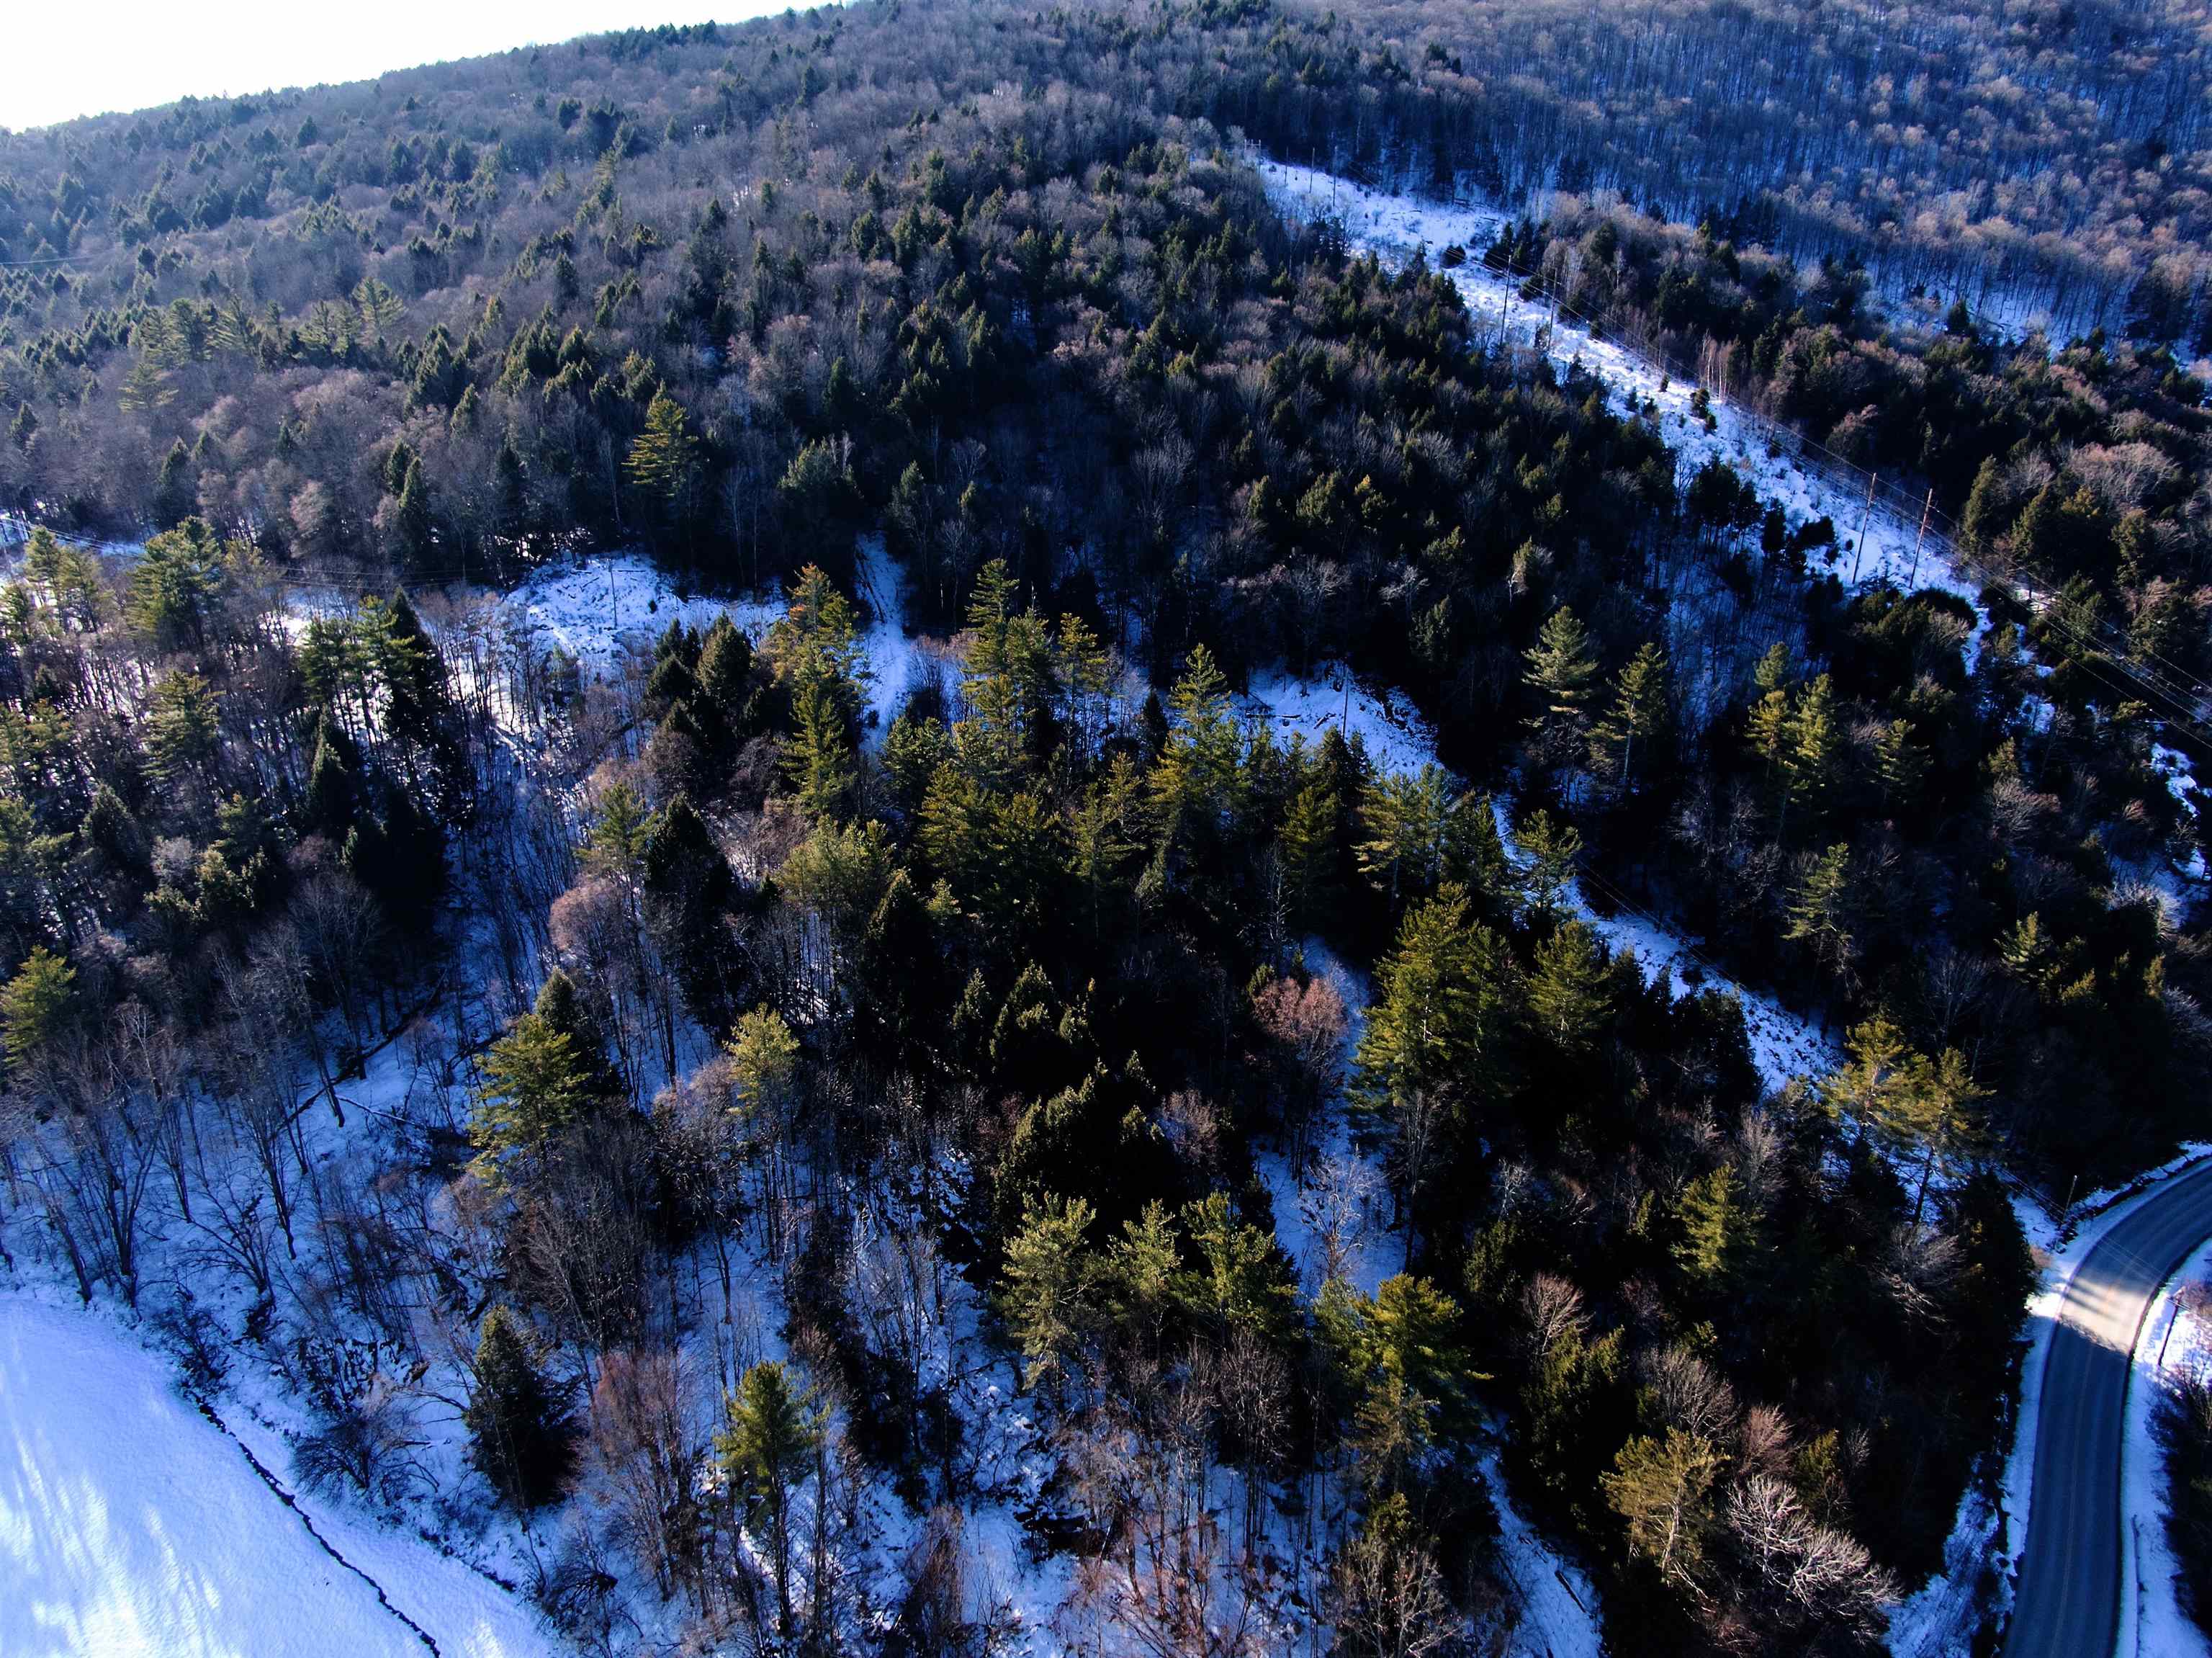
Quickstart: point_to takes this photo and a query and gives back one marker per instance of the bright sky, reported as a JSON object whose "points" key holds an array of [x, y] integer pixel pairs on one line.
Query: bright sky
{"points": [[59, 60]]}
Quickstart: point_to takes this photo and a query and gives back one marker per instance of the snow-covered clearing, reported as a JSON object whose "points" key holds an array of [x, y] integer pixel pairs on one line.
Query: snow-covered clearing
{"points": [[595, 609], [131, 1525], [1396, 737]]}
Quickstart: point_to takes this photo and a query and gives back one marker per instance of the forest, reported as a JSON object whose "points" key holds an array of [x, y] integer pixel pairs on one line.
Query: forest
{"points": [[872, 1100]]}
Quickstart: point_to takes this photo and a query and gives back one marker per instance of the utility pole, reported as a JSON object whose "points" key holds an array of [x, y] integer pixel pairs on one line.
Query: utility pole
{"points": [[1866, 515], [1914, 580]]}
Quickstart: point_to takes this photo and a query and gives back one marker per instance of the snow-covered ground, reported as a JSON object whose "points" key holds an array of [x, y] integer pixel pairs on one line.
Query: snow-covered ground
{"points": [[1396, 737], [130, 1527], [2176, 1343], [1558, 1604], [895, 661], [595, 609]]}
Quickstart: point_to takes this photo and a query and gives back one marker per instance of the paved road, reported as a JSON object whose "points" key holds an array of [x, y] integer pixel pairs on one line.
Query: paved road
{"points": [[2068, 1602]]}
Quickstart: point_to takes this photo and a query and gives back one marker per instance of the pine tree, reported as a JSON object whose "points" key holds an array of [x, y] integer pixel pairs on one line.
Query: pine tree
{"points": [[1663, 1492], [532, 1083], [764, 1060], [410, 516], [769, 1438], [1196, 780], [1571, 991], [1139, 1274], [35, 1008], [818, 762], [725, 673], [1767, 728], [664, 454], [1920, 1107], [1899, 763], [418, 707], [1561, 668], [614, 847], [1240, 1284], [173, 585], [1981, 521], [1434, 1034], [182, 732], [687, 883], [519, 1437], [173, 490], [1810, 749], [1714, 1225], [561, 1006], [1637, 716], [1307, 854], [1045, 1291], [1555, 847], [332, 801], [1819, 913]]}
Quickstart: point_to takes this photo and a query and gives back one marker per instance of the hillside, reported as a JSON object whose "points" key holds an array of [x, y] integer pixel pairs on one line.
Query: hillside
{"points": [[942, 828]]}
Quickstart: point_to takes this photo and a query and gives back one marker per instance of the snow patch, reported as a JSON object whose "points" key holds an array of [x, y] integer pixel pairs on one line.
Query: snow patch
{"points": [[128, 1525]]}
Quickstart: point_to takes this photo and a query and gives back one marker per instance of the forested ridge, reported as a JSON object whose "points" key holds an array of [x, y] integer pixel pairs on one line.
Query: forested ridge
{"points": [[885, 1105]]}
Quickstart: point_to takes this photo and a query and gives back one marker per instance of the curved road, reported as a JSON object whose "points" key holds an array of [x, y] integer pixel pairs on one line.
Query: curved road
{"points": [[2069, 1601]]}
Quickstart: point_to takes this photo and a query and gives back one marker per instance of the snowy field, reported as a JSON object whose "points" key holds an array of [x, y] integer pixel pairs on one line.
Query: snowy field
{"points": [[132, 1527]]}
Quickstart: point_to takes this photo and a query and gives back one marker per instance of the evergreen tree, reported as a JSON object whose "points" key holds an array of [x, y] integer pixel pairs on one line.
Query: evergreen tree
{"points": [[1434, 1036], [1637, 716], [1555, 847], [1571, 991], [1899, 763], [1045, 1287], [1241, 1283], [173, 489], [1560, 671], [1663, 1490], [1810, 749], [724, 674], [688, 884], [172, 586], [1196, 780], [410, 516], [769, 1435], [35, 1007], [1982, 520], [1714, 1227], [181, 728], [1308, 855], [663, 456], [532, 1084], [333, 799], [818, 761], [1819, 909], [519, 1436], [561, 1006], [1767, 729]]}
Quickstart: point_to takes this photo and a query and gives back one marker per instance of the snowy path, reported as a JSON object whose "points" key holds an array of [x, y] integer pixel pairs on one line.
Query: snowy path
{"points": [[131, 1527]]}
